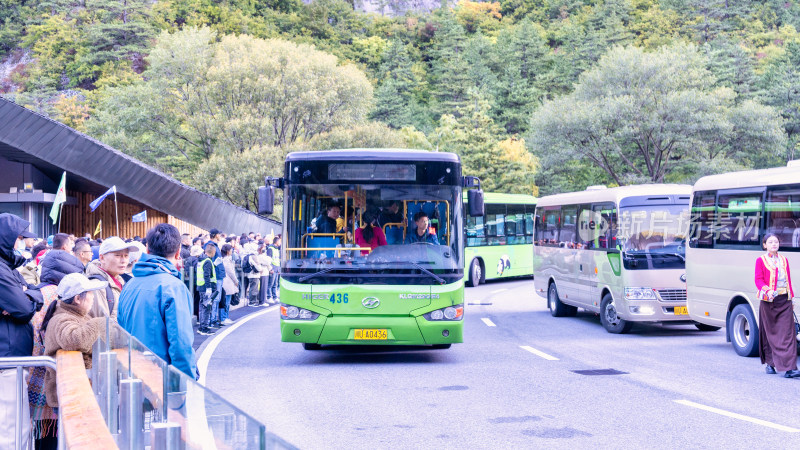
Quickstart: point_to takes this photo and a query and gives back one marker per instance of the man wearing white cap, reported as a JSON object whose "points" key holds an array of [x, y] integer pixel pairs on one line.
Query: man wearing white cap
{"points": [[113, 261]]}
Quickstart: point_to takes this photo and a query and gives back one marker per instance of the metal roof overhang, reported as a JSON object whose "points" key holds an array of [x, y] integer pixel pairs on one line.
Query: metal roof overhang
{"points": [[93, 167]]}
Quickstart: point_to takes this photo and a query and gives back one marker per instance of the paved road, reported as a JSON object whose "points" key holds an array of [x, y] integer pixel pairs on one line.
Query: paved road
{"points": [[490, 391]]}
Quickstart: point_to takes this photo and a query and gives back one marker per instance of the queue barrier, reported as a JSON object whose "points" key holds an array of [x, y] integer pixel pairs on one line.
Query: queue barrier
{"points": [[135, 400]]}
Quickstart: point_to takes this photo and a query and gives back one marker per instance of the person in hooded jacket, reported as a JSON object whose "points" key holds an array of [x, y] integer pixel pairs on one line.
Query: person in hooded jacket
{"points": [[54, 268], [155, 306], [16, 332]]}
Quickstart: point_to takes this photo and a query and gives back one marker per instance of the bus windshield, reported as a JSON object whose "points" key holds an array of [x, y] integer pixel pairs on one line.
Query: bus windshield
{"points": [[653, 237], [327, 243]]}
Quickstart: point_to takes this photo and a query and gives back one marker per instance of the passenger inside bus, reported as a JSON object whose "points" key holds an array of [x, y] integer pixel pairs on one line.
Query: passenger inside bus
{"points": [[391, 214], [421, 232], [371, 235], [326, 222]]}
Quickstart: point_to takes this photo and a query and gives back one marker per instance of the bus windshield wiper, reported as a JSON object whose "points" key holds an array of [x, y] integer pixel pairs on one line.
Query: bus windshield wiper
{"points": [[323, 271], [439, 279]]}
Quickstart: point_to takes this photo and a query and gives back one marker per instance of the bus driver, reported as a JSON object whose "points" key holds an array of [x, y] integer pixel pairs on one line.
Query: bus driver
{"points": [[421, 233]]}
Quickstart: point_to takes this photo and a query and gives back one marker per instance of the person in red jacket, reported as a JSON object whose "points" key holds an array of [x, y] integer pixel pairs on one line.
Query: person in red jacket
{"points": [[371, 235], [777, 346]]}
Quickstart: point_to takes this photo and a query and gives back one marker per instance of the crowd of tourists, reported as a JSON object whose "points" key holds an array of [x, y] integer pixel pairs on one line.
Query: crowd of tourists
{"points": [[59, 293]]}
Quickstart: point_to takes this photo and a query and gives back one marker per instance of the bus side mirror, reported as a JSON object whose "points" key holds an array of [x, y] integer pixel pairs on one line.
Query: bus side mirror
{"points": [[266, 200], [475, 202]]}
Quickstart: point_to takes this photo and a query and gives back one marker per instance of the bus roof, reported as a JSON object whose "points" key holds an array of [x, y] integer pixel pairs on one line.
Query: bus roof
{"points": [[373, 154], [749, 178], [513, 199], [614, 194]]}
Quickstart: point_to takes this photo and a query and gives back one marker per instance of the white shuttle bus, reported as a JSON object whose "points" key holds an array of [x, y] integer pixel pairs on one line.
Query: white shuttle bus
{"points": [[731, 213], [619, 252]]}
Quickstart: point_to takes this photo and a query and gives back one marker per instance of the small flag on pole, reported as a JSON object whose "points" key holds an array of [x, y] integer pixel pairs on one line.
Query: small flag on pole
{"points": [[100, 199], [99, 228], [141, 217], [61, 197]]}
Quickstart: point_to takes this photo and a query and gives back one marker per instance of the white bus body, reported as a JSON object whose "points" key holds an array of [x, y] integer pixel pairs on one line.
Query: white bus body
{"points": [[731, 213], [618, 252]]}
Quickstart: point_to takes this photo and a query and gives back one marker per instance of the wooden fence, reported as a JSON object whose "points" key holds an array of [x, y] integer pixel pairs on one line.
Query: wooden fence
{"points": [[79, 220]]}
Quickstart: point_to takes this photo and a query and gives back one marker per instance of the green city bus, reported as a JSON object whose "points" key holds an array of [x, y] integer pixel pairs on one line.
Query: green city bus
{"points": [[335, 293], [500, 243]]}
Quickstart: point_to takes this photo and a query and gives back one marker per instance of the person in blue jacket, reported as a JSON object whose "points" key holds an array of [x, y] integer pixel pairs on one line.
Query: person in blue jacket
{"points": [[421, 233], [155, 306]]}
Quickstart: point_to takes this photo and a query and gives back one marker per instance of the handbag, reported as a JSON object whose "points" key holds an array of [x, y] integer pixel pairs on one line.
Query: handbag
{"points": [[796, 326], [235, 299]]}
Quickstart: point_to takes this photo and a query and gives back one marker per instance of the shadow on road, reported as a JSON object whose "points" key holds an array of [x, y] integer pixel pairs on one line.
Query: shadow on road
{"points": [[366, 354]]}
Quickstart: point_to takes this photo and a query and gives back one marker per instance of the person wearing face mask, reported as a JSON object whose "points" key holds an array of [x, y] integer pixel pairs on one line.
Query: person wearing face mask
{"points": [[112, 263], [68, 325]]}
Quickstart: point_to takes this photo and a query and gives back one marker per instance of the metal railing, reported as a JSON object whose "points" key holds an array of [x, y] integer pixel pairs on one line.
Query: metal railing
{"points": [[19, 363]]}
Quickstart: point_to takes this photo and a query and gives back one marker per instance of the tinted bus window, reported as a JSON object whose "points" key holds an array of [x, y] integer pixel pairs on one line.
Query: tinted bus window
{"points": [[569, 217], [703, 216], [495, 224], [476, 234], [547, 226], [738, 217], [782, 210]]}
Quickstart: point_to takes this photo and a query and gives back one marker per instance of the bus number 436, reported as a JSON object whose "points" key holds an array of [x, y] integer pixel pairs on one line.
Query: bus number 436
{"points": [[338, 298]]}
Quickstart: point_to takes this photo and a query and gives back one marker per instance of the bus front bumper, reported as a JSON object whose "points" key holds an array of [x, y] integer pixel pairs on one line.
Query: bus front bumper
{"points": [[654, 311], [341, 330]]}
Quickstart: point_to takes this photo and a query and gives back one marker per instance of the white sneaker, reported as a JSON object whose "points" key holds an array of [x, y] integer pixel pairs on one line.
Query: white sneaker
{"points": [[227, 322]]}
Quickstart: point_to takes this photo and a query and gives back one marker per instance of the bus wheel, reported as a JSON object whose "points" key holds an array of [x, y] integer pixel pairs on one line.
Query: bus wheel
{"points": [[704, 327], [475, 273], [609, 318], [744, 331], [556, 306], [441, 346], [309, 346]]}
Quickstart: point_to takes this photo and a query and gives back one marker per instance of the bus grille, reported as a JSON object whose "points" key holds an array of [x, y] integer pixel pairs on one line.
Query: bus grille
{"points": [[672, 295]]}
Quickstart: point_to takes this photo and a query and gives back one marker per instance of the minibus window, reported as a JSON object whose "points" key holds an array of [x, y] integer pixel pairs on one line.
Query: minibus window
{"points": [[782, 211]]}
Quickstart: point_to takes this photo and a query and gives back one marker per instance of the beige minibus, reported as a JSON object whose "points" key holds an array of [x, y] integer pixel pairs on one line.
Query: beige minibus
{"points": [[619, 252], [731, 213]]}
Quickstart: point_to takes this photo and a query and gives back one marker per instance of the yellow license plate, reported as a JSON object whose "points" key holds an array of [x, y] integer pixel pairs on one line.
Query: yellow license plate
{"points": [[371, 334], [681, 311]]}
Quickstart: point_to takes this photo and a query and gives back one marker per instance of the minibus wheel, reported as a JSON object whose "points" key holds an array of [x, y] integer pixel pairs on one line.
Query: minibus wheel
{"points": [[475, 273], [610, 319], [704, 327], [309, 346], [556, 306], [743, 330]]}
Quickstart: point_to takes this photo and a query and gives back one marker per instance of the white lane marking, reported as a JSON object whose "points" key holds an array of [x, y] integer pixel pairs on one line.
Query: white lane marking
{"points": [[498, 290], [205, 357], [538, 353], [488, 322], [738, 416]]}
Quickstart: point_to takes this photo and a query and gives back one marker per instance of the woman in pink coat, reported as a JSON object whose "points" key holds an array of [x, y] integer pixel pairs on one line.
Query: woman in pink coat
{"points": [[777, 346]]}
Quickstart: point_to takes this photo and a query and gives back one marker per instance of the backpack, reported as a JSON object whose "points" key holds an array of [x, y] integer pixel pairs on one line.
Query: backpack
{"points": [[246, 266]]}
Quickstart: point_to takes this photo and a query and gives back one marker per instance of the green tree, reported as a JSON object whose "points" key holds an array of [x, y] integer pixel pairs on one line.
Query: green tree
{"points": [[449, 68], [523, 55], [485, 151], [781, 90], [201, 98], [732, 66], [396, 102], [236, 177], [642, 116], [366, 135]]}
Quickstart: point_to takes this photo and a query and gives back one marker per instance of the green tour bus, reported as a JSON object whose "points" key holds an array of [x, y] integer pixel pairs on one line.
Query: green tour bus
{"points": [[408, 292], [499, 244]]}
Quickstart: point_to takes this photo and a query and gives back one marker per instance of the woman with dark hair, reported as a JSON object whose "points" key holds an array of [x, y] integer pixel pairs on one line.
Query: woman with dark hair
{"points": [[371, 235], [777, 346]]}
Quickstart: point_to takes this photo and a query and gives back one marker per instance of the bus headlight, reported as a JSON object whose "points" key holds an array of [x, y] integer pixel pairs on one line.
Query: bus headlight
{"points": [[455, 312], [294, 313], [639, 293]]}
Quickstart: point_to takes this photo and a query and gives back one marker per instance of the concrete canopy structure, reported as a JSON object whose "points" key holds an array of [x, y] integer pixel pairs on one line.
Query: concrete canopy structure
{"points": [[51, 147]]}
